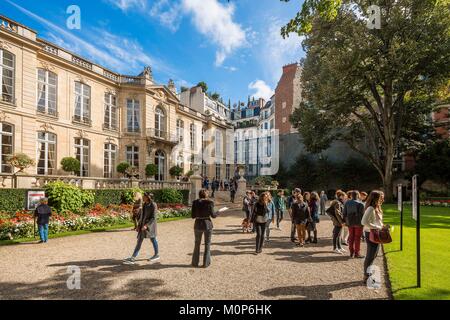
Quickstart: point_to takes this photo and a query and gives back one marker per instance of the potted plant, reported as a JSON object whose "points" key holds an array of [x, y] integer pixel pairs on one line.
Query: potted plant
{"points": [[151, 170], [122, 168], [132, 172], [176, 171], [70, 165], [20, 161]]}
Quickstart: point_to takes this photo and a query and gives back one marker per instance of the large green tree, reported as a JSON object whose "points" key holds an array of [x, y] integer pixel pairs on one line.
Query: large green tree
{"points": [[369, 87]]}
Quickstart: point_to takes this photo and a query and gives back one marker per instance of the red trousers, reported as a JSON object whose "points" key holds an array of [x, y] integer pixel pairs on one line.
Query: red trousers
{"points": [[354, 239]]}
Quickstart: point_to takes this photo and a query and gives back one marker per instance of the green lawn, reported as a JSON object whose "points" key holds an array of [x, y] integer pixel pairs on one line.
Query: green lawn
{"points": [[435, 254], [74, 233]]}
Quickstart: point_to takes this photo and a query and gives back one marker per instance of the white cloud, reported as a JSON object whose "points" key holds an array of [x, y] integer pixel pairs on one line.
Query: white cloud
{"points": [[120, 54], [125, 5], [230, 68], [278, 51], [261, 89], [215, 21], [168, 13]]}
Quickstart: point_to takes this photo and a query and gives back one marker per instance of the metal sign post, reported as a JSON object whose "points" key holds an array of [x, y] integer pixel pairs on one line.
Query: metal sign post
{"points": [[400, 208], [416, 216]]}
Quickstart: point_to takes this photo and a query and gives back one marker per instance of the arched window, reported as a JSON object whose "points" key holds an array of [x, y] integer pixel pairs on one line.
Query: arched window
{"points": [[82, 153], [47, 92], [46, 153], [160, 122], [160, 161], [6, 146], [7, 66], [180, 130], [109, 160]]}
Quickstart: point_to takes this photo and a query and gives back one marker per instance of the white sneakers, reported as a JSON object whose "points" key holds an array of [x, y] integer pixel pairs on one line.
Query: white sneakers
{"points": [[339, 251]]}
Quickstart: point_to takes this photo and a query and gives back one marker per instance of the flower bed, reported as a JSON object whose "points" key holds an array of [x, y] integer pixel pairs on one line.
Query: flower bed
{"points": [[21, 225]]}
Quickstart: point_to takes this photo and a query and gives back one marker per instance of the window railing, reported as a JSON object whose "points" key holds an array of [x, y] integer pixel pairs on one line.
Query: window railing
{"points": [[82, 63], [108, 126], [162, 135], [50, 49], [132, 80], [82, 120], [8, 99], [49, 112]]}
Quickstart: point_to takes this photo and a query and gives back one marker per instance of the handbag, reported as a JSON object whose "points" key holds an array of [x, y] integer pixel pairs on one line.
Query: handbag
{"points": [[380, 236]]}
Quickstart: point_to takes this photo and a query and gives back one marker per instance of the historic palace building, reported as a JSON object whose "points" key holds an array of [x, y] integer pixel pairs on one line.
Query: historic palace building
{"points": [[56, 104]]}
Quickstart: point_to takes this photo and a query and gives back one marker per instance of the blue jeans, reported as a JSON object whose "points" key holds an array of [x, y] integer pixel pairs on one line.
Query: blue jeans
{"points": [[43, 232], [139, 244]]}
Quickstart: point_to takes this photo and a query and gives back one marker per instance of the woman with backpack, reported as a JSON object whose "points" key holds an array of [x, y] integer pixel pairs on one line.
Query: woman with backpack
{"points": [[335, 213], [259, 219], [301, 215]]}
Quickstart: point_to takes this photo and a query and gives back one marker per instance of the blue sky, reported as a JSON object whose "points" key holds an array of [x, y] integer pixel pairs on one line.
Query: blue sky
{"points": [[235, 47]]}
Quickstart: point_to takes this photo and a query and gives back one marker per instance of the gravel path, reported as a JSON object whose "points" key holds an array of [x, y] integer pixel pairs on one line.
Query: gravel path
{"points": [[282, 271]]}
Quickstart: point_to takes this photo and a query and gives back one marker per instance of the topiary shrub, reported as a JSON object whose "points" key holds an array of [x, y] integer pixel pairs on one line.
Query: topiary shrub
{"points": [[70, 164], [65, 197], [122, 167], [176, 171], [151, 170]]}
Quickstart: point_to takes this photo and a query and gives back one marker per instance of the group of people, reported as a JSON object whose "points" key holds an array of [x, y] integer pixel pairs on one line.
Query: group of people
{"points": [[352, 213], [216, 184]]}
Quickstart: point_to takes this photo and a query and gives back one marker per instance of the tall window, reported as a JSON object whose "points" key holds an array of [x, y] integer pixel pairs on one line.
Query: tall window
{"points": [[269, 146], [160, 161], [109, 162], [82, 103], [160, 122], [180, 130], [204, 171], [47, 88], [192, 162], [46, 153], [6, 146], [218, 171], [110, 121], [133, 156], [82, 154], [133, 115], [7, 76], [193, 133], [219, 144]]}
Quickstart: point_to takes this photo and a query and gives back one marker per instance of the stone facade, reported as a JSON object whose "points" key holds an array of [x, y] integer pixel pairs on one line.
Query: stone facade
{"points": [[62, 105]]}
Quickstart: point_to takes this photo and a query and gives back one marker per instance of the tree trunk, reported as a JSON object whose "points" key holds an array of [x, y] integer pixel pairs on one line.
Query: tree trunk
{"points": [[387, 178]]}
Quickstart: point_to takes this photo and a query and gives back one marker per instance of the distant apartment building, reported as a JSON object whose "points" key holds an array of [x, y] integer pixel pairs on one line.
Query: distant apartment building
{"points": [[56, 104], [441, 120]]}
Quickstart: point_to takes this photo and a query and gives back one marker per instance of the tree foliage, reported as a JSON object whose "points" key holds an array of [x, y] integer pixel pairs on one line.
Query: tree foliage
{"points": [[434, 162], [371, 88], [70, 164], [203, 85]]}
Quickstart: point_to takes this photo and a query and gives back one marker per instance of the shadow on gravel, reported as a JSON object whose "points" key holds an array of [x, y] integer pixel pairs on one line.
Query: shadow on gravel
{"points": [[316, 292], [95, 285], [308, 256]]}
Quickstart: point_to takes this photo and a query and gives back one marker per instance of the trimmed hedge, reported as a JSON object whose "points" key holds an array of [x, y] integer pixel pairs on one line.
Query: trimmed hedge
{"points": [[106, 197], [12, 200]]}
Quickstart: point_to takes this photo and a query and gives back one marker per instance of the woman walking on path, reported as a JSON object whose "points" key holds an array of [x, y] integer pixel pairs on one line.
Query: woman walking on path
{"points": [[335, 213], [372, 220], [323, 202], [280, 207], [202, 212], [301, 215], [259, 219], [271, 215], [312, 224], [146, 228]]}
